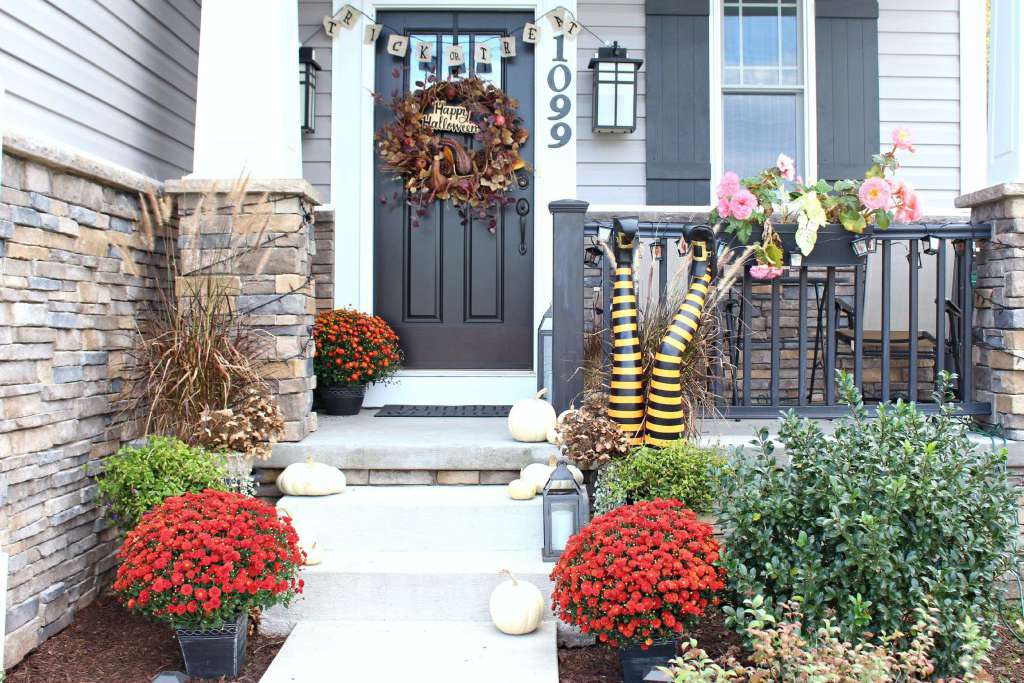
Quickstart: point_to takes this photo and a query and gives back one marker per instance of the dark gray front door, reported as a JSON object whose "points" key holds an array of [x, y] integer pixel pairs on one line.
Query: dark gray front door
{"points": [[458, 295]]}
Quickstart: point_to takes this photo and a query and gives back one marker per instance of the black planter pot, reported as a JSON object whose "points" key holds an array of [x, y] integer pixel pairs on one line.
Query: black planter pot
{"points": [[216, 652], [338, 400], [833, 248], [637, 663]]}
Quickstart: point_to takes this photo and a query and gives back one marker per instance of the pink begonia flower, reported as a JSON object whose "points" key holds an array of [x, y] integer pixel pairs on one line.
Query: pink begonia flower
{"points": [[723, 207], [875, 193], [765, 272], [728, 185], [902, 138], [909, 210], [786, 167], [742, 204]]}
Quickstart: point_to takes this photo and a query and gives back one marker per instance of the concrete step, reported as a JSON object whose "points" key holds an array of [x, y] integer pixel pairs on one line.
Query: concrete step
{"points": [[427, 518], [413, 586], [363, 442], [453, 652]]}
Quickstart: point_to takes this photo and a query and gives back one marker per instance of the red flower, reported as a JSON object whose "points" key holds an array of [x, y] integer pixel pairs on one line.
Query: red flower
{"points": [[638, 574], [184, 561]]}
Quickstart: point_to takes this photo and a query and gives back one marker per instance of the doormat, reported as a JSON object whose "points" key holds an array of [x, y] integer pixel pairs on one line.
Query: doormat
{"points": [[443, 411]]}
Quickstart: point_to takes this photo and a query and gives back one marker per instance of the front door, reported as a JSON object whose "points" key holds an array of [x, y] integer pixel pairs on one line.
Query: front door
{"points": [[459, 295]]}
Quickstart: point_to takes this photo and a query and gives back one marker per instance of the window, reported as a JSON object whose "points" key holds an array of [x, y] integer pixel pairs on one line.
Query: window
{"points": [[439, 43], [762, 84]]}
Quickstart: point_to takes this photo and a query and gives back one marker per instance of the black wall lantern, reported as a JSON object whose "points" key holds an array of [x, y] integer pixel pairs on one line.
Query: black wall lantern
{"points": [[615, 75], [308, 67], [566, 510]]}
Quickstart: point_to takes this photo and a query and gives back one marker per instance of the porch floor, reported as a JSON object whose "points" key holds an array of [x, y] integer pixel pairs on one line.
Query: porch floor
{"points": [[365, 442]]}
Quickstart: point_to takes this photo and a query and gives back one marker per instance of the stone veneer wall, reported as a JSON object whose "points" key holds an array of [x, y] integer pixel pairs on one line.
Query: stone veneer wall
{"points": [[323, 259], [75, 274], [999, 304], [273, 285]]}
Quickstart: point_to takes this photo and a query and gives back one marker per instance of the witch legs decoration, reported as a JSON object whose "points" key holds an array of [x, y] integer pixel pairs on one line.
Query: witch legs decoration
{"points": [[658, 420]]}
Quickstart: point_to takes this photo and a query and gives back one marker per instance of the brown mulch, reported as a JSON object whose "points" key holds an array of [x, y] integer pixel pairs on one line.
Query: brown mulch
{"points": [[106, 644], [599, 664]]}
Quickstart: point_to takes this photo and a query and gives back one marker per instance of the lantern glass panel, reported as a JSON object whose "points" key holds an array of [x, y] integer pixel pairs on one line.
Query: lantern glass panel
{"points": [[624, 108], [605, 103], [563, 520]]}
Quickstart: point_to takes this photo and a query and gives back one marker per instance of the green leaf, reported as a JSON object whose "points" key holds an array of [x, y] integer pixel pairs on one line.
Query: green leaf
{"points": [[810, 217], [882, 218], [875, 172], [853, 220]]}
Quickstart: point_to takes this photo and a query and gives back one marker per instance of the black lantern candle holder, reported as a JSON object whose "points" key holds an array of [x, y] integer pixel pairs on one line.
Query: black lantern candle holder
{"points": [[308, 68], [566, 510]]}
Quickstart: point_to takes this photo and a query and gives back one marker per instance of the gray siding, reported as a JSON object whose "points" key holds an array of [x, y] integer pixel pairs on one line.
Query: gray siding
{"points": [[316, 146], [114, 78]]}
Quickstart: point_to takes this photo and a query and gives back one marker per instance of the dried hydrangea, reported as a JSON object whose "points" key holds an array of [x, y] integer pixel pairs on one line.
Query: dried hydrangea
{"points": [[251, 426], [588, 437]]}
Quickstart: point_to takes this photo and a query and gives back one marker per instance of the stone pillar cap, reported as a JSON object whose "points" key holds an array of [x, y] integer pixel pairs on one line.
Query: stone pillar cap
{"points": [[291, 186], [991, 194]]}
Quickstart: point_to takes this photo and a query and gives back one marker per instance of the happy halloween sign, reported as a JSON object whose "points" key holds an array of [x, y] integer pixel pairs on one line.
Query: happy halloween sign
{"points": [[452, 118]]}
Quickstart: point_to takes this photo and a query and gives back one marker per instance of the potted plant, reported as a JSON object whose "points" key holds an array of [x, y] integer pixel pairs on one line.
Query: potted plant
{"points": [[352, 350], [201, 562], [636, 577], [244, 433], [783, 219]]}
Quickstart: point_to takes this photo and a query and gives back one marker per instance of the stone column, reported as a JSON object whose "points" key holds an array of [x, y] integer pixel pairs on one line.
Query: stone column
{"points": [[273, 286], [999, 304]]}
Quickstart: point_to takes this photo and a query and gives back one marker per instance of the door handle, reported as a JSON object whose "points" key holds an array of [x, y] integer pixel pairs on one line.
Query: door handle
{"points": [[523, 209]]}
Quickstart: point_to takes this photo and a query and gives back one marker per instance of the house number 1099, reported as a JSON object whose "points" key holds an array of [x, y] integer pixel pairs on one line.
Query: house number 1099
{"points": [[559, 79]]}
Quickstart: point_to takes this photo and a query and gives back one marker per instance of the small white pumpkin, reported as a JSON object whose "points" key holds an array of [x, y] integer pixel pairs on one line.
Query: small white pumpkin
{"points": [[310, 479], [519, 489], [516, 606], [308, 542], [531, 418], [538, 473]]}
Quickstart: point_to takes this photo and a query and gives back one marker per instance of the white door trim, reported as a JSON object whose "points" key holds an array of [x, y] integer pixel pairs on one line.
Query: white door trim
{"points": [[352, 152]]}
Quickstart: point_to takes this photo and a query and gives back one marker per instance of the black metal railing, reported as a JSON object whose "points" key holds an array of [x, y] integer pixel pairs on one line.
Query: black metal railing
{"points": [[781, 342]]}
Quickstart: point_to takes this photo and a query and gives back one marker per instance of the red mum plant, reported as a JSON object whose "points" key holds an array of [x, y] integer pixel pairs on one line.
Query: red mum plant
{"points": [[199, 560], [354, 348], [638, 574]]}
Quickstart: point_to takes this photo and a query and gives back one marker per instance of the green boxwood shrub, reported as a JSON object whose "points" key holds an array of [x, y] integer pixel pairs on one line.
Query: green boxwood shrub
{"points": [[870, 523], [682, 471], [136, 478]]}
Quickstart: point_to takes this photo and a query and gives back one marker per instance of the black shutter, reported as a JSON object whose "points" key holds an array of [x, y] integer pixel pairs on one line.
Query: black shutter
{"points": [[678, 101], [846, 52]]}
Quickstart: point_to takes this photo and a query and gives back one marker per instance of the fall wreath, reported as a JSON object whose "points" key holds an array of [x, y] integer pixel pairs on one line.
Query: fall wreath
{"points": [[432, 166]]}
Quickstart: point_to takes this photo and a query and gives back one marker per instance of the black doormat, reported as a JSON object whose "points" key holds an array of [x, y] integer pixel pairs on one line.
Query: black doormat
{"points": [[443, 411]]}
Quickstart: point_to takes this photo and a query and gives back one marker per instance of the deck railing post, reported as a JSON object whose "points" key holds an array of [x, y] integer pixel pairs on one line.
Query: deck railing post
{"points": [[568, 215]]}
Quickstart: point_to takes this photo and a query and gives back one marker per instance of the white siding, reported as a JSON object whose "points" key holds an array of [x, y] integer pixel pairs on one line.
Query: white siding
{"points": [[918, 87], [115, 78], [316, 146], [610, 168]]}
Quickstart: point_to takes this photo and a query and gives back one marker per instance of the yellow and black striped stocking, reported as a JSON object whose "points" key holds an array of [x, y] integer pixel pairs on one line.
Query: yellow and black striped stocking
{"points": [[626, 399], [664, 413]]}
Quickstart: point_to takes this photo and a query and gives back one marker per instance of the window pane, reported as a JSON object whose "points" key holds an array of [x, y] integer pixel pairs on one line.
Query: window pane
{"points": [[758, 127], [731, 31], [448, 70], [790, 38], [487, 72], [421, 71], [760, 36]]}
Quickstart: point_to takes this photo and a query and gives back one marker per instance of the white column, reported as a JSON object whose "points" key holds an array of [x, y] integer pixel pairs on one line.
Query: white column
{"points": [[1006, 93], [247, 105]]}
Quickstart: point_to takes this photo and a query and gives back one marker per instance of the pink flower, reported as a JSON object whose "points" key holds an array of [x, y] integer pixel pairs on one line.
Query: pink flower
{"points": [[786, 166], [723, 207], [728, 185], [742, 204], [875, 193], [902, 138], [765, 272], [909, 209]]}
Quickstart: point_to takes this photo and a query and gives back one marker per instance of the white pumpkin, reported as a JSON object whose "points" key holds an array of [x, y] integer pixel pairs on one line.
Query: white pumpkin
{"points": [[538, 474], [308, 542], [310, 479], [530, 419], [521, 490], [516, 606]]}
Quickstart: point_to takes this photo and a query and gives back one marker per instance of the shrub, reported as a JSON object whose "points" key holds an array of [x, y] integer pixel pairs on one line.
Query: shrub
{"points": [[637, 574], [680, 471], [199, 560], [354, 348], [138, 478], [872, 522]]}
